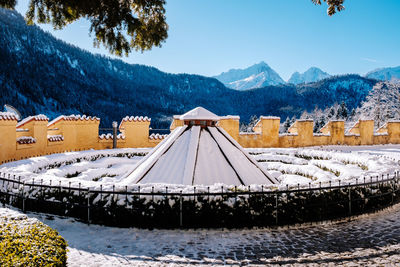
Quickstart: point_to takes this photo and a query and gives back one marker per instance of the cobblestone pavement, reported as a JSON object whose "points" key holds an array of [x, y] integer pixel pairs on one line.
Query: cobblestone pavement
{"points": [[368, 240]]}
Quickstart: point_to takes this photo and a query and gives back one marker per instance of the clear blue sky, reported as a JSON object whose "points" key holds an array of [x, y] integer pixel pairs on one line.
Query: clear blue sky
{"points": [[208, 37]]}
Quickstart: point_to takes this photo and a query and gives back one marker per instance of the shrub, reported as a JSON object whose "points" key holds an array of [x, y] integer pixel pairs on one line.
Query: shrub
{"points": [[36, 244]]}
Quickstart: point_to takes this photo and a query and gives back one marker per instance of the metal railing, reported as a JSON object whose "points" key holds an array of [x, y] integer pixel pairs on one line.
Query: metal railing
{"points": [[228, 208]]}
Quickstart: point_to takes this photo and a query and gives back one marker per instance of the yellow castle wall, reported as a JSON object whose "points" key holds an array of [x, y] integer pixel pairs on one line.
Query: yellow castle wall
{"points": [[84, 134], [8, 138]]}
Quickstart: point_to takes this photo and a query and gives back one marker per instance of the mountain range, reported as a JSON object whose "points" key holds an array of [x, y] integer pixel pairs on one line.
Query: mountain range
{"points": [[41, 74], [261, 75]]}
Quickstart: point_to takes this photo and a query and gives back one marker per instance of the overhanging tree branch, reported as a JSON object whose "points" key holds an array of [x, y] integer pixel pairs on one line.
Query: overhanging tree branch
{"points": [[120, 25]]}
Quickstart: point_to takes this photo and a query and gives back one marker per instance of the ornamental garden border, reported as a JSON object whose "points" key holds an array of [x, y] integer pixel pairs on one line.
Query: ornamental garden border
{"points": [[231, 208]]}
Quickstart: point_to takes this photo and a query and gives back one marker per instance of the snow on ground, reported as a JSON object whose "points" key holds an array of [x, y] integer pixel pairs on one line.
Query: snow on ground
{"points": [[290, 166], [369, 240], [90, 168]]}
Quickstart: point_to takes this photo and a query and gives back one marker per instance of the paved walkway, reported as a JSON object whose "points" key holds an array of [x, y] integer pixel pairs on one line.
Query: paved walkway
{"points": [[369, 240]]}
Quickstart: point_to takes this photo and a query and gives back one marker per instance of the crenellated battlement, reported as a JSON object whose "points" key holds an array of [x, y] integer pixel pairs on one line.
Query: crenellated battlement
{"points": [[34, 135]]}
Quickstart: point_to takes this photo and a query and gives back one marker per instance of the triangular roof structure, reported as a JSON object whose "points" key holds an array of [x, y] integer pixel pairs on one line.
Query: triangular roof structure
{"points": [[199, 153], [199, 113]]}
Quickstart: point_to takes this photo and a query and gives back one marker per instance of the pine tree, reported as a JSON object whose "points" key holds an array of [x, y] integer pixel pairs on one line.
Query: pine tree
{"points": [[331, 113], [286, 125], [342, 112]]}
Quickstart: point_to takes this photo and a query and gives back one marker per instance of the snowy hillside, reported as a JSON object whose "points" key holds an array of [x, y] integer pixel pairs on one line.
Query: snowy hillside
{"points": [[381, 104], [311, 75], [385, 74], [256, 76]]}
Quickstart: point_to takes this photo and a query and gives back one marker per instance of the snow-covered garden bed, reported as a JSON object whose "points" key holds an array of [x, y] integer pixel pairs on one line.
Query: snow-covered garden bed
{"points": [[315, 184], [106, 169]]}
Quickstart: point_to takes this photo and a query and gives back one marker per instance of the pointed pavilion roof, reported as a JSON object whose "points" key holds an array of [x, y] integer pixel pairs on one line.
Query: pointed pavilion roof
{"points": [[196, 154], [199, 113]]}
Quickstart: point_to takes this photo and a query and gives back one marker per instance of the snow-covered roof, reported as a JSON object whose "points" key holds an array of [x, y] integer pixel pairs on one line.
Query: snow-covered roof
{"points": [[72, 118], [110, 136], [229, 117], [135, 119], [199, 113], [270, 118], [39, 117], [156, 136], [199, 155], [55, 138], [302, 120], [26, 140], [8, 116]]}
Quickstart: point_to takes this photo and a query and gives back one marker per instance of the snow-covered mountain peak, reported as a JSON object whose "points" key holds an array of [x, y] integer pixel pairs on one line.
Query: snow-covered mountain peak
{"points": [[255, 76], [313, 74], [385, 74]]}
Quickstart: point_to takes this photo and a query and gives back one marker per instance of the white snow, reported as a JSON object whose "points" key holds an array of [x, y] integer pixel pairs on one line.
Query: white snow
{"points": [[108, 168], [90, 168], [199, 113]]}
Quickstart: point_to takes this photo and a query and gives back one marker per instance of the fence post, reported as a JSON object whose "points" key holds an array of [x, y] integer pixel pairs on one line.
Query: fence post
{"points": [[59, 190], [126, 196], [392, 187], [88, 206], [349, 200], [276, 208], [23, 197], [180, 210], [113, 196], [115, 133], [236, 193]]}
